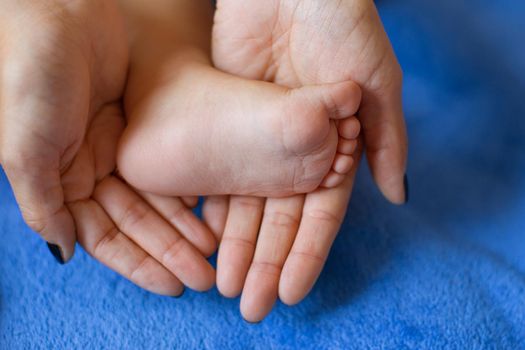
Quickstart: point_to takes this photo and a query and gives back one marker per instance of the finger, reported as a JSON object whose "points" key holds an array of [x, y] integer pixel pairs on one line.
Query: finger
{"points": [[104, 133], [40, 196], [278, 229], [381, 115], [95, 159], [153, 234], [323, 213], [215, 213], [238, 243], [190, 201], [102, 240], [174, 211]]}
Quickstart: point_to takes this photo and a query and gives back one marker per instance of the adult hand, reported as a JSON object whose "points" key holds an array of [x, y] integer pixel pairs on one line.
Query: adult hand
{"points": [[301, 42], [156, 242], [294, 43], [275, 247], [61, 61], [63, 68]]}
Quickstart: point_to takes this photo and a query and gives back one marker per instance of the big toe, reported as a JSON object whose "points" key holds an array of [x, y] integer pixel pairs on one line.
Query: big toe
{"points": [[341, 100]]}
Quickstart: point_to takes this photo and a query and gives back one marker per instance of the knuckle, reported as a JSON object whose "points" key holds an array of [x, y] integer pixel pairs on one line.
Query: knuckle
{"points": [[267, 268], [238, 243], [133, 215], [169, 257], [104, 241], [306, 255], [325, 216], [281, 219], [137, 269]]}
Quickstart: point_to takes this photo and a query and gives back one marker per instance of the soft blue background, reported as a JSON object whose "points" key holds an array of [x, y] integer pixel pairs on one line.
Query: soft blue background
{"points": [[446, 271]]}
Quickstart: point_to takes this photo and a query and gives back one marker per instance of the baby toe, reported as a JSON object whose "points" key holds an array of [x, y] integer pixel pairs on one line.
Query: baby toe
{"points": [[349, 128], [346, 146], [333, 179], [343, 163]]}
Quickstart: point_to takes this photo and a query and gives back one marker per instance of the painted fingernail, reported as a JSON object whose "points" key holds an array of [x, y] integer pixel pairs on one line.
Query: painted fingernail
{"points": [[56, 252], [405, 181]]}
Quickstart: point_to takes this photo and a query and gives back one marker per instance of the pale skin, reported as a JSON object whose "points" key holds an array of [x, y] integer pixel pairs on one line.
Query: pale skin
{"points": [[301, 42], [193, 130], [277, 247], [321, 214], [63, 67], [159, 53]]}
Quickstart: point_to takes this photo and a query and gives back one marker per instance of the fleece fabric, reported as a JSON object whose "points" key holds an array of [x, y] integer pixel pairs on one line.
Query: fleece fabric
{"points": [[446, 271]]}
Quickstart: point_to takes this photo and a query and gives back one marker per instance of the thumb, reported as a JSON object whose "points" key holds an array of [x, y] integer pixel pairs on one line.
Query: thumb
{"points": [[39, 194], [383, 124]]}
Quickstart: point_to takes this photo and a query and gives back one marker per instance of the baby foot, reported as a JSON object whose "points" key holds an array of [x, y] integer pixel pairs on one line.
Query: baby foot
{"points": [[204, 132]]}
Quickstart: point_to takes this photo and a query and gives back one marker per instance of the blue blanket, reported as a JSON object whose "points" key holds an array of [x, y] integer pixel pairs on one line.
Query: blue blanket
{"points": [[445, 271]]}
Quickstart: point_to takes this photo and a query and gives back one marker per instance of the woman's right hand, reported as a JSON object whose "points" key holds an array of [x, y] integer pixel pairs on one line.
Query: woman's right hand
{"points": [[63, 67], [60, 62]]}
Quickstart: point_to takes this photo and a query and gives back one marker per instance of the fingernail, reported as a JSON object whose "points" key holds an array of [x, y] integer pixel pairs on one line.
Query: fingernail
{"points": [[405, 181], [56, 252]]}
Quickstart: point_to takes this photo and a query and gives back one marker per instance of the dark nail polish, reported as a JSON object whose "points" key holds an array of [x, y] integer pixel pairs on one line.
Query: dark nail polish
{"points": [[56, 252], [405, 181]]}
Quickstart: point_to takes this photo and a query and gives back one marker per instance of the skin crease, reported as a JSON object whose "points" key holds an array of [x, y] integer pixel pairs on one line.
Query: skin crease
{"points": [[63, 70], [297, 42], [254, 130], [250, 208], [24, 140]]}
